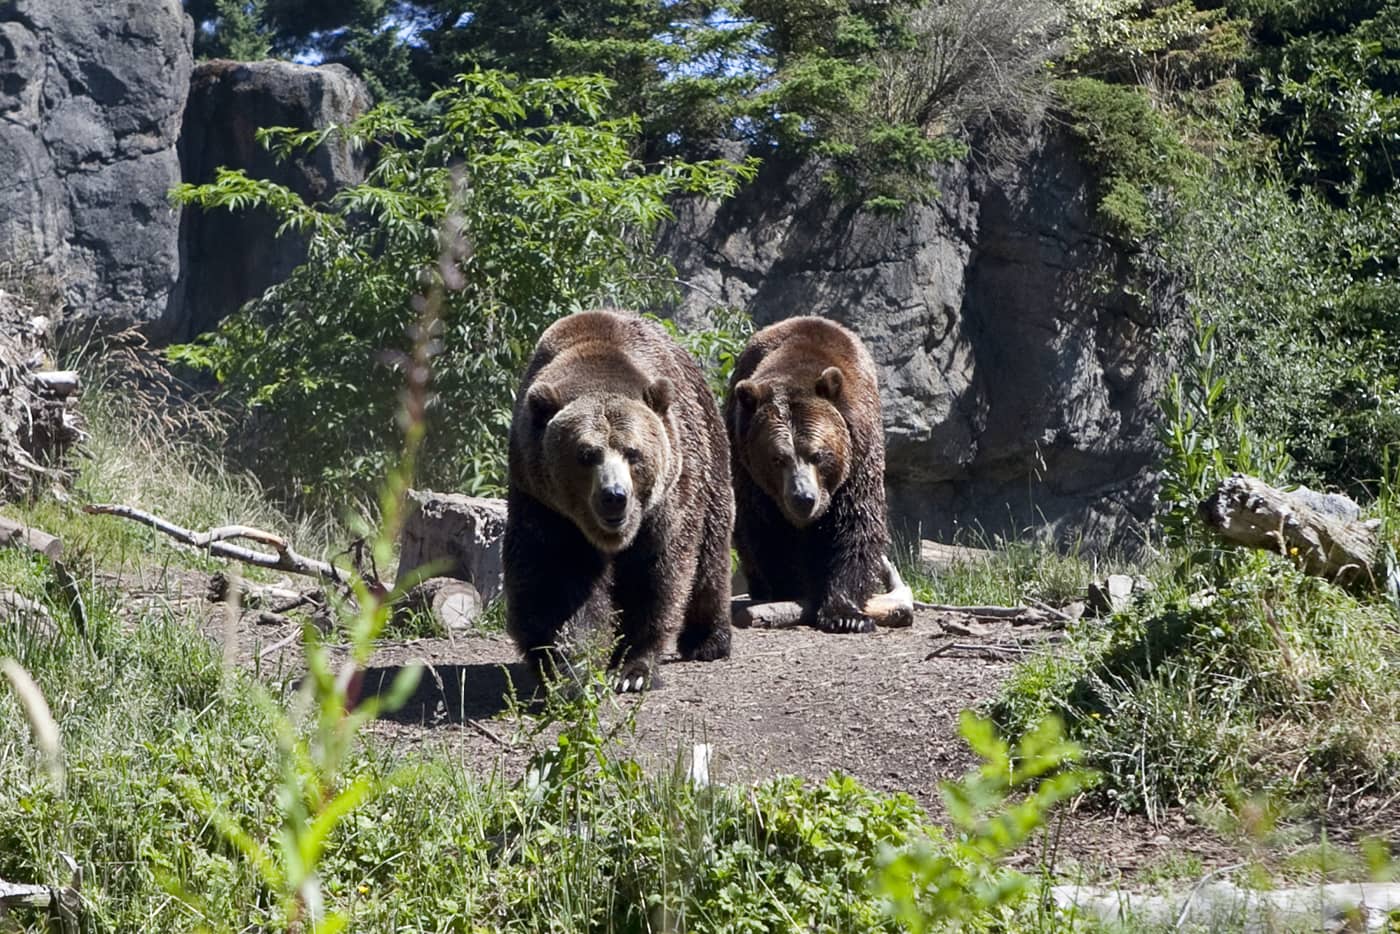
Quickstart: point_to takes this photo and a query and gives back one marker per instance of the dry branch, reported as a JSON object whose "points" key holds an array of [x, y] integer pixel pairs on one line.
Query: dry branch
{"points": [[1324, 532], [215, 542]]}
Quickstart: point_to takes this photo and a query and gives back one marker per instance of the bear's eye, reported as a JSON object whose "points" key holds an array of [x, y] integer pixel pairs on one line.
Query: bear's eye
{"points": [[632, 455], [821, 458], [590, 456]]}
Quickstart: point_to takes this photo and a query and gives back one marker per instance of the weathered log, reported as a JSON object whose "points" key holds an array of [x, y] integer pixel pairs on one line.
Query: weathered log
{"points": [[62, 903], [936, 556], [457, 536], [783, 614], [1323, 532], [61, 383], [32, 613], [453, 603], [893, 609], [14, 535]]}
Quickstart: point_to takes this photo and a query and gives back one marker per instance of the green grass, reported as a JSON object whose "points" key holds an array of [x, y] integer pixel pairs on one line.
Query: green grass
{"points": [[159, 741], [1280, 685]]}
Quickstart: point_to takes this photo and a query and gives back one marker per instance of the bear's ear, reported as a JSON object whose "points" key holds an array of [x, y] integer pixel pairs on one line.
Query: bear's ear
{"points": [[750, 395], [829, 384], [543, 401], [659, 395]]}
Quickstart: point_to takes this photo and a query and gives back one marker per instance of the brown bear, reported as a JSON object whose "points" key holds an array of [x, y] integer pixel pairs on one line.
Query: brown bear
{"points": [[617, 513], [808, 460]]}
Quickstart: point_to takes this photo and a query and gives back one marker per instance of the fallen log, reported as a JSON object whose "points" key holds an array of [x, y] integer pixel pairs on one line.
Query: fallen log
{"points": [[62, 903], [15, 535], [215, 542], [893, 609], [1323, 532]]}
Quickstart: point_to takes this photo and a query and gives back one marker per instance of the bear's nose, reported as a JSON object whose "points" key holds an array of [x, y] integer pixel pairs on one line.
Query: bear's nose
{"points": [[612, 502], [806, 499]]}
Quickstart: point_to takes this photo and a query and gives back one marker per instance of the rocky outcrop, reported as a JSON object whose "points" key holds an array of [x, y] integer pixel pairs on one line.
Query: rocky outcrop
{"points": [[228, 258], [1019, 370], [91, 96]]}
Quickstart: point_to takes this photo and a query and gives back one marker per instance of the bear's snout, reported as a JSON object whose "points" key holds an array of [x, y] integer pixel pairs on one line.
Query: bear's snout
{"points": [[612, 503], [612, 494], [803, 494]]}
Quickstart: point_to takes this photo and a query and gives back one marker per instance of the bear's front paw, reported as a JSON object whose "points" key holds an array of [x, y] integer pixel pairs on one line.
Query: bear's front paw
{"points": [[842, 616], [636, 676]]}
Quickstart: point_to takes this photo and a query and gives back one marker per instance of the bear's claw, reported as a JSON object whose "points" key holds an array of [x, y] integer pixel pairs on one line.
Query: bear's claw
{"points": [[847, 624]]}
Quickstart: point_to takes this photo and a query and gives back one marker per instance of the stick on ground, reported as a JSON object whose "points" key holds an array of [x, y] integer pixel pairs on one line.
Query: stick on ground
{"points": [[216, 543]]}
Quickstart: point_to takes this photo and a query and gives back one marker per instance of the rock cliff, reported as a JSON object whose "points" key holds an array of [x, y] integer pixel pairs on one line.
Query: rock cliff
{"points": [[91, 96], [1019, 367]]}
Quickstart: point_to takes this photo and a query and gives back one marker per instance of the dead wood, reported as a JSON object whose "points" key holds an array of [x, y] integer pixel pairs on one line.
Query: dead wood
{"points": [[936, 556], [785, 614], [14, 535], [62, 903], [37, 427], [1323, 532], [215, 542], [453, 603], [893, 609]]}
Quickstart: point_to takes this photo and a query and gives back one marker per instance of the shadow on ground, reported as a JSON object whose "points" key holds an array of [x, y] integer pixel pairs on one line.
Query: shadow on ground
{"points": [[453, 693]]}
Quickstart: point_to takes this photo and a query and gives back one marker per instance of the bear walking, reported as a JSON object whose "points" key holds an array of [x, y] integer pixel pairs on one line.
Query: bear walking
{"points": [[808, 460], [618, 509]]}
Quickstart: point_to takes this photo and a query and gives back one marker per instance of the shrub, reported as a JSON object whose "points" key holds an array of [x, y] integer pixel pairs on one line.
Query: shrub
{"points": [[512, 203]]}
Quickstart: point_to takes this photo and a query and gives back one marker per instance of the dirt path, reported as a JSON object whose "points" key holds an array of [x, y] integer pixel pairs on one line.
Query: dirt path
{"points": [[794, 702], [881, 707]]}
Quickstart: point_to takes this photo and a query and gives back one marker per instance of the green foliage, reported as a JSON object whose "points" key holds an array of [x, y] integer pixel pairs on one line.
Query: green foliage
{"points": [[515, 200], [1295, 305], [1169, 46], [1274, 684], [1205, 440], [1326, 80], [964, 881], [717, 346], [236, 29], [1133, 148]]}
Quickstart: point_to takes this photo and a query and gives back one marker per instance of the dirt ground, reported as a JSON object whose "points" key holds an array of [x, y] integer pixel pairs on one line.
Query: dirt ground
{"points": [[882, 707]]}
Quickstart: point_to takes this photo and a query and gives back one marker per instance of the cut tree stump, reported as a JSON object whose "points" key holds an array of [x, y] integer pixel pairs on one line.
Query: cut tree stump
{"points": [[1323, 532], [455, 536], [453, 603]]}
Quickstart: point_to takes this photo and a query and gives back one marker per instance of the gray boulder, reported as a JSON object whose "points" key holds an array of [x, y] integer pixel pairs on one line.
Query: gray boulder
{"points": [[227, 257], [1018, 371], [91, 97]]}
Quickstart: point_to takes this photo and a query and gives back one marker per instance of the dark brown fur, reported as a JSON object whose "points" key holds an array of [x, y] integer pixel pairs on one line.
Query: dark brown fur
{"points": [[567, 576], [805, 390]]}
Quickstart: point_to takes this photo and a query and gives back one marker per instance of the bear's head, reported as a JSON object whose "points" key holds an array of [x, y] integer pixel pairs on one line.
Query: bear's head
{"points": [[607, 456], [794, 442]]}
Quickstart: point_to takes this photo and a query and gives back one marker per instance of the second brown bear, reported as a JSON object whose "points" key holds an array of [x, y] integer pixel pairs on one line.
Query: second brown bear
{"points": [[808, 460]]}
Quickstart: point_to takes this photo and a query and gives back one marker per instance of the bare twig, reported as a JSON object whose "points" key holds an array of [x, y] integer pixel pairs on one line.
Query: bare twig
{"points": [[990, 612], [215, 543], [991, 650]]}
